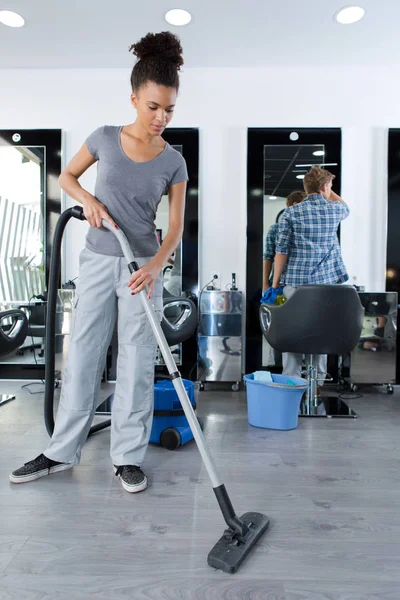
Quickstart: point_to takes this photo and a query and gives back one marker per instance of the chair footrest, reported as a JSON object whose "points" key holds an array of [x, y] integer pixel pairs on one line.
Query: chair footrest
{"points": [[328, 407]]}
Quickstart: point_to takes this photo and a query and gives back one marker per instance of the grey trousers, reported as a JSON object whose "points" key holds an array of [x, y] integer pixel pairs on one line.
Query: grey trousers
{"points": [[102, 295], [292, 363]]}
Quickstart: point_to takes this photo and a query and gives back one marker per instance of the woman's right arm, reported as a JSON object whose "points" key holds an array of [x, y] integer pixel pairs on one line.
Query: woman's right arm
{"points": [[93, 210]]}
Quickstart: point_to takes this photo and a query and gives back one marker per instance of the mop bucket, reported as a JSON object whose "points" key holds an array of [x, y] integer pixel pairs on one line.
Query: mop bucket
{"points": [[274, 404]]}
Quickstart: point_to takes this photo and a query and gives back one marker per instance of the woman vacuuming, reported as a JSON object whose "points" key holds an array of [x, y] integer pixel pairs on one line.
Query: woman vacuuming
{"points": [[135, 168]]}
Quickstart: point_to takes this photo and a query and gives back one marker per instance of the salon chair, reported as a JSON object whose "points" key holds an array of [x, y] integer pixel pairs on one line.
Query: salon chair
{"points": [[37, 323], [179, 320], [317, 319]]}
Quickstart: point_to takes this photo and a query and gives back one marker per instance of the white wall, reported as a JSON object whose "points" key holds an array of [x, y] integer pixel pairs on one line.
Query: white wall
{"points": [[223, 103]]}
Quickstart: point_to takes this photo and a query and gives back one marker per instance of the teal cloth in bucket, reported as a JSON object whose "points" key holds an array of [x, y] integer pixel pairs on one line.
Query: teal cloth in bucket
{"points": [[274, 404], [262, 376]]}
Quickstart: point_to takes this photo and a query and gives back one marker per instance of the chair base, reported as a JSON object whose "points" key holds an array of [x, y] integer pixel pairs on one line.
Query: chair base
{"points": [[6, 398], [328, 407]]}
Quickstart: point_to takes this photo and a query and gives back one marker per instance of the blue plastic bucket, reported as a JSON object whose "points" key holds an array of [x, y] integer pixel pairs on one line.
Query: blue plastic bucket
{"points": [[276, 404]]}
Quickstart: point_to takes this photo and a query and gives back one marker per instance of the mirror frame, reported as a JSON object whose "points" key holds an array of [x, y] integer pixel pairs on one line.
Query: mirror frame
{"points": [[257, 138], [393, 245], [188, 138], [51, 139]]}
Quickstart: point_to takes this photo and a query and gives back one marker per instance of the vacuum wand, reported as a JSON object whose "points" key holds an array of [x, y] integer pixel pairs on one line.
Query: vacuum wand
{"points": [[244, 532], [169, 361]]}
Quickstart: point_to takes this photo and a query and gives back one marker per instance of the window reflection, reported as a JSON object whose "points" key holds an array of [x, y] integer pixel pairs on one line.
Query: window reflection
{"points": [[22, 244]]}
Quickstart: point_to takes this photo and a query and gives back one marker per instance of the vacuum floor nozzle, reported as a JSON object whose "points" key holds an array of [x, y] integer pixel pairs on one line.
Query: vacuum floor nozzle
{"points": [[231, 550]]}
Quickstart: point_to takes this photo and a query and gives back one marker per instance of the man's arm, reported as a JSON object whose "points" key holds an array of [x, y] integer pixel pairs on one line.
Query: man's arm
{"points": [[342, 207], [279, 266], [267, 268], [269, 255], [283, 245]]}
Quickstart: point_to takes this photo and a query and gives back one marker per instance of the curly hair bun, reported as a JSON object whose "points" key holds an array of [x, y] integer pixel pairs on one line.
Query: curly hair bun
{"points": [[164, 46]]}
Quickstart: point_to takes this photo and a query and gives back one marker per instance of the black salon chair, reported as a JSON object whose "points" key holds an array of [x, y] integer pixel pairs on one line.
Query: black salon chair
{"points": [[317, 319], [13, 331]]}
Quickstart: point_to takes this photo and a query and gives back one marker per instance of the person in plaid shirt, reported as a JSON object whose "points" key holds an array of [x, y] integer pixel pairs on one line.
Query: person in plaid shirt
{"points": [[270, 240], [307, 248]]}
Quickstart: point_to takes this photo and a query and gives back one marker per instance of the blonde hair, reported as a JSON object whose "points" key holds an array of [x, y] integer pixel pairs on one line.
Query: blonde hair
{"points": [[316, 178], [295, 198]]}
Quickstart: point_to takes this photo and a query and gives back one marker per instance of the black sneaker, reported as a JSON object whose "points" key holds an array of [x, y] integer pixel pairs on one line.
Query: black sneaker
{"points": [[39, 467], [132, 478]]}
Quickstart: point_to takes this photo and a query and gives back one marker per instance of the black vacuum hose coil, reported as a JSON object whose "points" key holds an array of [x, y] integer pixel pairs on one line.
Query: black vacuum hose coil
{"points": [[50, 339]]}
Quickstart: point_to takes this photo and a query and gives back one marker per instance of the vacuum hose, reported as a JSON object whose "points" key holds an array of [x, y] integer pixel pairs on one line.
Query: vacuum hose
{"points": [[54, 277]]}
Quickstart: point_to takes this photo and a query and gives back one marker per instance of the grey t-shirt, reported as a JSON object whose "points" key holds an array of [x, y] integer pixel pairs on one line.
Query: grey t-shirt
{"points": [[131, 192]]}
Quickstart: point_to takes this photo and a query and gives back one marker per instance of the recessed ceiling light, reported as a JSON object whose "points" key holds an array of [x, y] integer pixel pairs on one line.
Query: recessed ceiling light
{"points": [[300, 176], [178, 17], [349, 15], [319, 153], [273, 197], [11, 19]]}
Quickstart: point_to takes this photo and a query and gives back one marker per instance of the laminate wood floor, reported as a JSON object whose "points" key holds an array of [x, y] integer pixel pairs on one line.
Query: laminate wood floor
{"points": [[331, 489]]}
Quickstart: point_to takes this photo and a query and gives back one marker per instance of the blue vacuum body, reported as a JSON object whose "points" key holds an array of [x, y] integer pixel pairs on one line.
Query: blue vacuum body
{"points": [[170, 426]]}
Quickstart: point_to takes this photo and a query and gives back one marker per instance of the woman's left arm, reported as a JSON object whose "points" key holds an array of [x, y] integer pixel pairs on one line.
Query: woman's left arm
{"points": [[147, 275]]}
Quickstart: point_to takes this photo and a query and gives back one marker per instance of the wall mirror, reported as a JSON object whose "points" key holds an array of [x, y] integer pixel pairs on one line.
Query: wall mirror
{"points": [[30, 203]]}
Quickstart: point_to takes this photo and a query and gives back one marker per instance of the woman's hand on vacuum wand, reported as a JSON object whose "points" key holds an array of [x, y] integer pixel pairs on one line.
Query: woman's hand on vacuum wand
{"points": [[145, 276], [95, 211]]}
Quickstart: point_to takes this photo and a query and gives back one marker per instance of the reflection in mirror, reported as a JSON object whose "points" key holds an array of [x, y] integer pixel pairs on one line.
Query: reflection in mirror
{"points": [[284, 170], [373, 360], [172, 270], [22, 245]]}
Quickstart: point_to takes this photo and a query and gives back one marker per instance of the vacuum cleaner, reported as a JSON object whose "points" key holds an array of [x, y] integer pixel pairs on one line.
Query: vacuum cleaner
{"points": [[243, 532]]}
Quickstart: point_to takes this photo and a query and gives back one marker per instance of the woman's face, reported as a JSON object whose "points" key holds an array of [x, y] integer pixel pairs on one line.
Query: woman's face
{"points": [[155, 106]]}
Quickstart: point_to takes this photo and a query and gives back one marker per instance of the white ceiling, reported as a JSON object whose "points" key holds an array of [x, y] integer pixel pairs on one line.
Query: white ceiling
{"points": [[223, 33]]}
